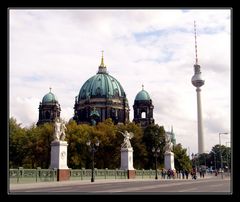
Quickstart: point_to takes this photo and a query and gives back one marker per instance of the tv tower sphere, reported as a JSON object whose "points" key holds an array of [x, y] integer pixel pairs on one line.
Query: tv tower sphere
{"points": [[197, 80]]}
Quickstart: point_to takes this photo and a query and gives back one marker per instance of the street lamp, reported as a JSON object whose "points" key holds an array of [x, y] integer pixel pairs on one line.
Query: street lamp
{"points": [[214, 160], [156, 152], [93, 148], [221, 152], [193, 157]]}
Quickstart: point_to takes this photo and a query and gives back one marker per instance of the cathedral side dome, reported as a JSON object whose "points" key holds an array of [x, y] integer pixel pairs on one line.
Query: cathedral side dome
{"points": [[142, 95], [49, 109], [49, 97], [143, 109]]}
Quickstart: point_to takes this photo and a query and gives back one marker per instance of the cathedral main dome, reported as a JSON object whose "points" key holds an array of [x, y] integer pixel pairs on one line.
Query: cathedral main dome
{"points": [[101, 85], [103, 95]]}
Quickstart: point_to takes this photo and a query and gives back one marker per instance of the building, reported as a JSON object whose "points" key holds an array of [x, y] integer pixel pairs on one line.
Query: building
{"points": [[101, 97], [172, 136], [49, 109], [143, 109]]}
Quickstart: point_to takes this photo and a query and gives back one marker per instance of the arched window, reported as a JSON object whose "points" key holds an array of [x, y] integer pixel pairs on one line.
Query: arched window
{"points": [[143, 115]]}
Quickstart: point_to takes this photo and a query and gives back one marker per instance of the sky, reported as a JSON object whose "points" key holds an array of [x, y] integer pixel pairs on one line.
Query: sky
{"points": [[61, 49]]}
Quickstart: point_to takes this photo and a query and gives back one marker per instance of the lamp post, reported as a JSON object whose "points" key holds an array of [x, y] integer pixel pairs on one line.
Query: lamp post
{"points": [[93, 148], [215, 162], [193, 157], [221, 152], [156, 152]]}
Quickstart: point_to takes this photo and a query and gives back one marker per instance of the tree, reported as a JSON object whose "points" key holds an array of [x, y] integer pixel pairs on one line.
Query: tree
{"points": [[215, 155], [31, 147], [154, 136], [17, 139], [181, 160], [77, 136]]}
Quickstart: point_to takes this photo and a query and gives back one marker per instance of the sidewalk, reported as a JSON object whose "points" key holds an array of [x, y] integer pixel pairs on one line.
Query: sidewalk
{"points": [[61, 183], [14, 187]]}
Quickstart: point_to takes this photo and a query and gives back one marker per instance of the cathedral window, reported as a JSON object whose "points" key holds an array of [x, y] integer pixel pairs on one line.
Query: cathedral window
{"points": [[143, 115]]}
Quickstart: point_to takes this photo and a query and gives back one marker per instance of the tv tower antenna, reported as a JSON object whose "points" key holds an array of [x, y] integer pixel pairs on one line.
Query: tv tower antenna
{"points": [[195, 33]]}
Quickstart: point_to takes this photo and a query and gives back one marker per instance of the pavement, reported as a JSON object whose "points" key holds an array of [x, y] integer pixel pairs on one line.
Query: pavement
{"points": [[15, 187]]}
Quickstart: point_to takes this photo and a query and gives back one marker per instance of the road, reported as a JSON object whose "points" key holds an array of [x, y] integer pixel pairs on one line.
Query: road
{"points": [[207, 186]]}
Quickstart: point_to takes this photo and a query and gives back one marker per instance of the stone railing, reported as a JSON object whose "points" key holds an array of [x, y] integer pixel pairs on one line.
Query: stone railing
{"points": [[147, 173], [85, 174], [22, 175]]}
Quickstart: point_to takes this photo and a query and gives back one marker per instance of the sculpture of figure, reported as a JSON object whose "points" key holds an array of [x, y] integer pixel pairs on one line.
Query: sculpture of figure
{"points": [[126, 142], [168, 144], [62, 132], [57, 132]]}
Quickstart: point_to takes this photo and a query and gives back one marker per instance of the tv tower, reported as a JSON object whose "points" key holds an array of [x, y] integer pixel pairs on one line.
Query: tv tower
{"points": [[197, 81]]}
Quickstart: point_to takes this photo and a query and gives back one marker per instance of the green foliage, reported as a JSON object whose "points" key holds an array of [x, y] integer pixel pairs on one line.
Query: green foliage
{"points": [[181, 160], [153, 136], [31, 147], [214, 157], [77, 136], [17, 138]]}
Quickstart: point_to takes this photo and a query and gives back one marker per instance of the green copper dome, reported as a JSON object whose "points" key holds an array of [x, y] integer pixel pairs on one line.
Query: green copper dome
{"points": [[101, 97], [101, 85], [142, 95], [50, 97]]}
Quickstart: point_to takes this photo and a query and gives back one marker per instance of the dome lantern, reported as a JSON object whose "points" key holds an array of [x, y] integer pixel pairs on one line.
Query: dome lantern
{"points": [[102, 69]]}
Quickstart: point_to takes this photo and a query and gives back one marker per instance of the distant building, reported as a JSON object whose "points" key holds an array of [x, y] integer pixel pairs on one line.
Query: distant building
{"points": [[172, 135]]}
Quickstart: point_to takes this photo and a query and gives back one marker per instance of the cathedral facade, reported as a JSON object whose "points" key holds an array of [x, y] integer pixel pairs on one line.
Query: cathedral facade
{"points": [[101, 97]]}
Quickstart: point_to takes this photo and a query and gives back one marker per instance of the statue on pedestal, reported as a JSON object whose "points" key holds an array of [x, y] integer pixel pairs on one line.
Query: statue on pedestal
{"points": [[168, 144], [59, 130], [62, 133], [126, 142]]}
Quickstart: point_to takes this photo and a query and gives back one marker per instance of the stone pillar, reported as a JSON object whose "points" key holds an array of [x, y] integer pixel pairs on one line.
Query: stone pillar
{"points": [[59, 159], [169, 161], [127, 162]]}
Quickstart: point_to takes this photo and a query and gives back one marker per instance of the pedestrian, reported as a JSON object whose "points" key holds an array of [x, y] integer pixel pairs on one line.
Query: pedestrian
{"points": [[183, 174], [186, 173]]}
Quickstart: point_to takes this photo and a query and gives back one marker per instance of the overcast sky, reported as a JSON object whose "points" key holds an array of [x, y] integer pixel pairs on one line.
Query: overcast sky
{"points": [[62, 49]]}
